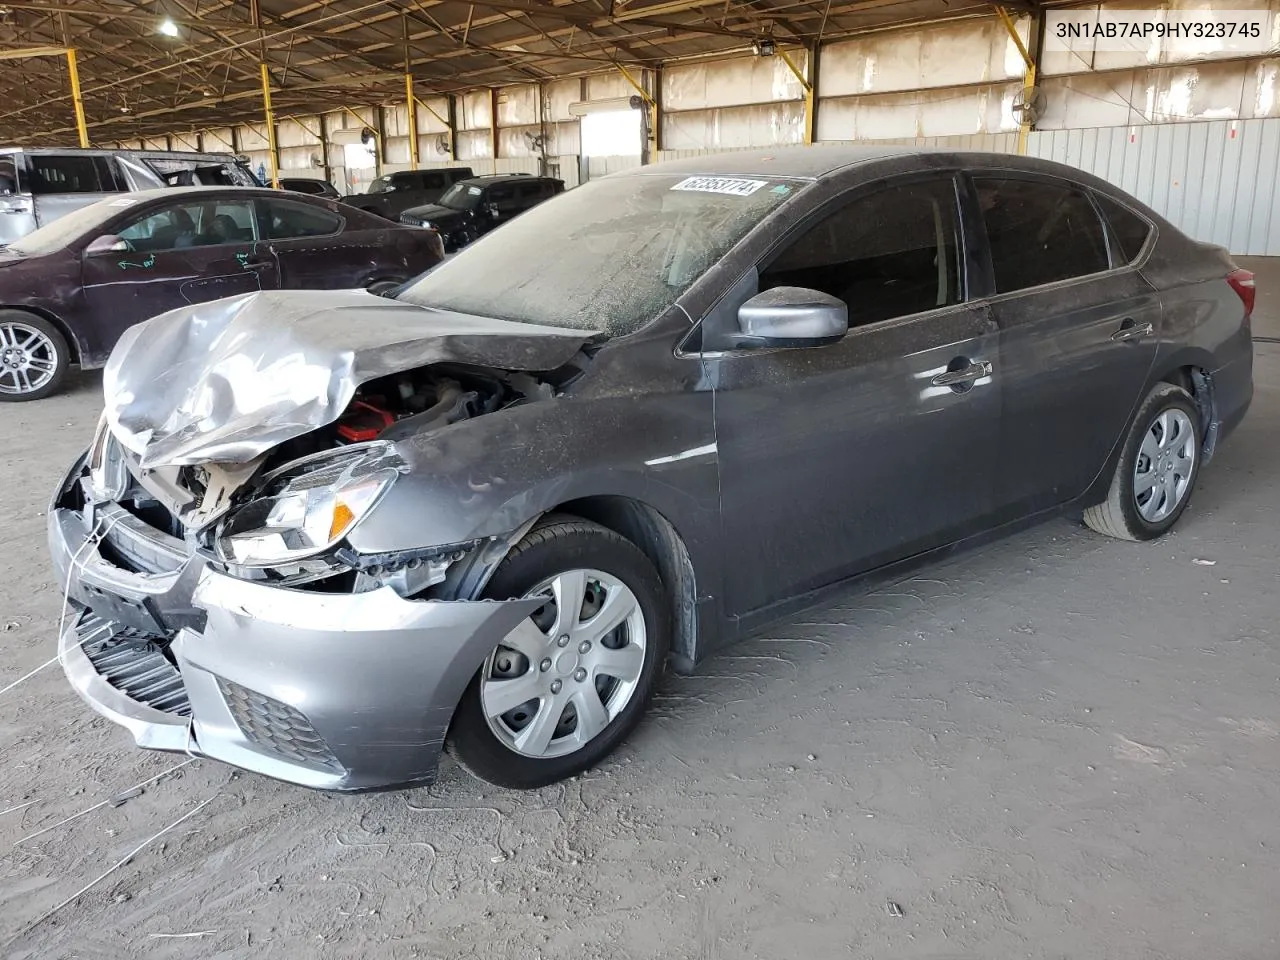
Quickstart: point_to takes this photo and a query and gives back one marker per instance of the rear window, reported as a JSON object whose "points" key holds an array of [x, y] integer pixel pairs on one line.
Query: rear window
{"points": [[1040, 232], [66, 174], [1129, 230], [288, 221]]}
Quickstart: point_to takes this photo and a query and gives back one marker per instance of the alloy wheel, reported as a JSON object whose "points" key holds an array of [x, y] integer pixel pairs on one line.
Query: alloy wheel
{"points": [[28, 358], [566, 672], [1164, 466]]}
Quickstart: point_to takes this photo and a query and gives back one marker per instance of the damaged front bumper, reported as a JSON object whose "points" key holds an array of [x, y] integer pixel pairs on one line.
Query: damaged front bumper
{"points": [[337, 691]]}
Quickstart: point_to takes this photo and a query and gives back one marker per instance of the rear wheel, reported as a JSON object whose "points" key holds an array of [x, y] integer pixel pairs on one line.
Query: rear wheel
{"points": [[564, 688], [1157, 469], [33, 356]]}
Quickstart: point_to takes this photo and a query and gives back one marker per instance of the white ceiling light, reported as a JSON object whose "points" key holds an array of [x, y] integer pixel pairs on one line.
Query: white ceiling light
{"points": [[167, 27]]}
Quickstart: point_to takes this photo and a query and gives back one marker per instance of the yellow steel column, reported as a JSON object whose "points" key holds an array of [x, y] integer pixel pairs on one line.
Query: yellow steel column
{"points": [[1028, 78], [808, 94], [412, 101], [271, 126], [73, 71], [654, 118]]}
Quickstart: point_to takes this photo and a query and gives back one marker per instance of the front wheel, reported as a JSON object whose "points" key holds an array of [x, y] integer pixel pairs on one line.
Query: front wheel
{"points": [[34, 356], [1157, 469], [564, 688]]}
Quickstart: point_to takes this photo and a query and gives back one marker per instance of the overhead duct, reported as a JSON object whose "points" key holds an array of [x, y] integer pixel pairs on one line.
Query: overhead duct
{"points": [[353, 135], [586, 108]]}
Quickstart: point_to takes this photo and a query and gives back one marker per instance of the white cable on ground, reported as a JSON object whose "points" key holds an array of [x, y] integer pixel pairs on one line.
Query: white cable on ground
{"points": [[118, 864], [93, 539]]}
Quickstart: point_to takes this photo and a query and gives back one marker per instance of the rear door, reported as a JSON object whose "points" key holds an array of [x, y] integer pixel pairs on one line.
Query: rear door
{"points": [[183, 252], [313, 251], [837, 459], [61, 183], [1078, 333], [17, 211]]}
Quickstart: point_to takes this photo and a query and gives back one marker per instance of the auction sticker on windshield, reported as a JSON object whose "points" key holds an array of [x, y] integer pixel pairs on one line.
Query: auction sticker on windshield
{"points": [[735, 186]]}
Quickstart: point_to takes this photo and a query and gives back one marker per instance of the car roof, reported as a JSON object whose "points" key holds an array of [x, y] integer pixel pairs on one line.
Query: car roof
{"points": [[108, 152], [805, 163], [156, 193], [509, 178]]}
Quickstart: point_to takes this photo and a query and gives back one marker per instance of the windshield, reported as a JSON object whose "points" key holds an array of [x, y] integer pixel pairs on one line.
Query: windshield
{"points": [[461, 196], [381, 185], [608, 256], [64, 230]]}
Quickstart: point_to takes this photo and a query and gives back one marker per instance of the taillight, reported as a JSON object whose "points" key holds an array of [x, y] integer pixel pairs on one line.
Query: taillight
{"points": [[1242, 283]]}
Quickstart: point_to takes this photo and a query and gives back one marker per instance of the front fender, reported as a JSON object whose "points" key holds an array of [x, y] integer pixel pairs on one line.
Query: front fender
{"points": [[489, 476]]}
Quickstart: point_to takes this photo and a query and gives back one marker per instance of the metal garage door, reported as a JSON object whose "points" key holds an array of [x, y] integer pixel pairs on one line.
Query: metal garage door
{"points": [[1216, 179]]}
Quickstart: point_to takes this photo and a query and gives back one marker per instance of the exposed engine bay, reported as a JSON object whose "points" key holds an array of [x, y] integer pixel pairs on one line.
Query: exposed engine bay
{"points": [[403, 404], [281, 516]]}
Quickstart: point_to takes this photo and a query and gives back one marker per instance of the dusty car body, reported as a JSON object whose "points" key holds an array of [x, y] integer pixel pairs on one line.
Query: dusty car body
{"points": [[693, 403], [40, 184], [69, 291]]}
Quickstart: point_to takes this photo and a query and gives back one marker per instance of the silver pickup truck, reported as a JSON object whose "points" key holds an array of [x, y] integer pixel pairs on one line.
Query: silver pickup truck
{"points": [[40, 184]]}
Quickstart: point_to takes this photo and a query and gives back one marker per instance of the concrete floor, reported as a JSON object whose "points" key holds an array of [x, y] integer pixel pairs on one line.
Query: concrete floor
{"points": [[1059, 746]]}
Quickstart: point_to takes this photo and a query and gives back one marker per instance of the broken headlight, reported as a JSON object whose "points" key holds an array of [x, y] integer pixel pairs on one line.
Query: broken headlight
{"points": [[308, 506]]}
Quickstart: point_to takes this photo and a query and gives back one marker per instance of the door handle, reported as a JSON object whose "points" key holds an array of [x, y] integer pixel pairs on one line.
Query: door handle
{"points": [[1132, 330], [976, 370]]}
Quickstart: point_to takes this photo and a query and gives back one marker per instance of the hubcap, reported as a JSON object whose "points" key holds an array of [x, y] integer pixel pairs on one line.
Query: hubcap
{"points": [[1165, 464], [561, 676], [28, 358]]}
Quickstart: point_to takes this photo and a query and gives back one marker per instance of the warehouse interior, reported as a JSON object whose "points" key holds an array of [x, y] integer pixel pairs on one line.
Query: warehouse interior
{"points": [[1051, 745], [547, 88]]}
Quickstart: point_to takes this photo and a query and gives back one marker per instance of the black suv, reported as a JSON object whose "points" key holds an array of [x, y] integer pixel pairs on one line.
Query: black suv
{"points": [[393, 193], [471, 208]]}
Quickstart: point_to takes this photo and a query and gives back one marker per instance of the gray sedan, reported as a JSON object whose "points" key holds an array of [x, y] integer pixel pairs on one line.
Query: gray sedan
{"points": [[319, 536]]}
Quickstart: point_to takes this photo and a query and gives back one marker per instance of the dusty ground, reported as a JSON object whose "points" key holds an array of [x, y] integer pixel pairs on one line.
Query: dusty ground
{"points": [[1060, 746]]}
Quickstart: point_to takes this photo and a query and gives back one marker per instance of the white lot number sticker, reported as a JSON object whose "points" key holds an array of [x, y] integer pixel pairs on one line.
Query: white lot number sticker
{"points": [[734, 186], [123, 202]]}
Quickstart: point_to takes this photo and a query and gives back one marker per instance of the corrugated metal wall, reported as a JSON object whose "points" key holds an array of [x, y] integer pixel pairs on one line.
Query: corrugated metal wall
{"points": [[1215, 180]]}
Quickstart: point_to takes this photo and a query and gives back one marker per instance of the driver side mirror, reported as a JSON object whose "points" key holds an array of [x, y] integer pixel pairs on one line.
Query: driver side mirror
{"points": [[790, 317], [106, 245], [493, 211]]}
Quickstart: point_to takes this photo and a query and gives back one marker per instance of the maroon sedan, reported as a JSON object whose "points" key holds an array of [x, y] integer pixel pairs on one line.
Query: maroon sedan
{"points": [[69, 290]]}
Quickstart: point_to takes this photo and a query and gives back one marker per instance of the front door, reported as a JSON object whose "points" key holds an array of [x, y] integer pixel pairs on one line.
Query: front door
{"points": [[1078, 334], [837, 459], [182, 252]]}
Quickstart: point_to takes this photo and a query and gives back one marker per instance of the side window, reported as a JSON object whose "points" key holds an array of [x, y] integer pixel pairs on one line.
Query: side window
{"points": [[64, 174], [503, 196], [405, 181], [531, 193], [110, 175], [289, 221], [434, 181], [890, 254], [1129, 230], [192, 224], [1040, 232], [8, 176]]}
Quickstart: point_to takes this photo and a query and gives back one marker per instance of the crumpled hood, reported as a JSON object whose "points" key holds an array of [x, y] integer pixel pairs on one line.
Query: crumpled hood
{"points": [[228, 380]]}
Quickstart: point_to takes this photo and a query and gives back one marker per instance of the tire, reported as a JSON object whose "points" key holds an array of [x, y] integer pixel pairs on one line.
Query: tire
{"points": [[559, 548], [1131, 512], [34, 357], [381, 288]]}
